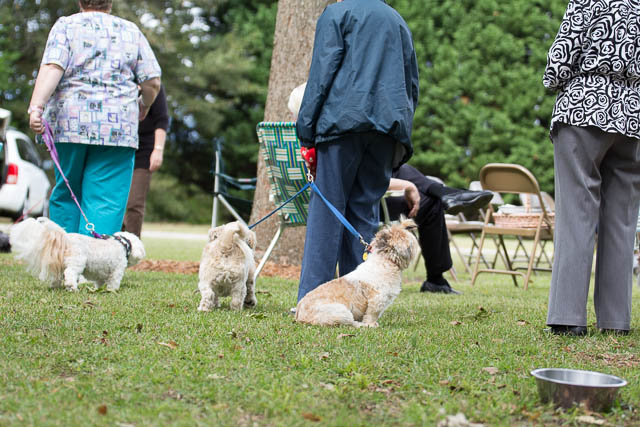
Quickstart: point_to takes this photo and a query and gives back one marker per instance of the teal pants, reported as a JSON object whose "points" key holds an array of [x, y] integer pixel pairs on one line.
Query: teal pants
{"points": [[100, 177]]}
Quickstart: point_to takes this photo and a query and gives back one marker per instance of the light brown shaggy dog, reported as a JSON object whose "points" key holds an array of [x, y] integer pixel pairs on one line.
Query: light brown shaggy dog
{"points": [[227, 267], [360, 297]]}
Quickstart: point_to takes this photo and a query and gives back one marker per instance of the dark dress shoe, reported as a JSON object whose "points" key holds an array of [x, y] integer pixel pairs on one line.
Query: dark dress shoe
{"points": [[577, 331], [615, 331], [432, 287], [464, 200]]}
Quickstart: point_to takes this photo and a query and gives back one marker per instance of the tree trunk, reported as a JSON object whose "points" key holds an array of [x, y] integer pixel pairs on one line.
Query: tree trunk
{"points": [[292, 49]]}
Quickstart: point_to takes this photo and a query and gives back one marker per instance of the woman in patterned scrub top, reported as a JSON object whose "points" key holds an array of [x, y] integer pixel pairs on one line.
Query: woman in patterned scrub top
{"points": [[87, 90], [594, 64]]}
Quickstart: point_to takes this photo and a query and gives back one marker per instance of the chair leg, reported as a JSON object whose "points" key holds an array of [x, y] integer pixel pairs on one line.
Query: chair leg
{"points": [[508, 261], [460, 254], [453, 273], [532, 259], [475, 269], [230, 209], [267, 253]]}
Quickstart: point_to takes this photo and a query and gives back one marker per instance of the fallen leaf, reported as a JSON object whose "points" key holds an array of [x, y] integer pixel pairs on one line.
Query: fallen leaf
{"points": [[257, 315], [346, 335], [215, 377], [311, 417], [324, 356], [221, 356], [171, 344], [102, 409], [456, 323], [266, 293], [89, 303], [522, 323], [588, 419], [491, 370], [444, 382]]}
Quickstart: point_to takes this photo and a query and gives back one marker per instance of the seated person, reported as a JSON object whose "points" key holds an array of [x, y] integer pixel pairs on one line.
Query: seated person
{"points": [[433, 200]]}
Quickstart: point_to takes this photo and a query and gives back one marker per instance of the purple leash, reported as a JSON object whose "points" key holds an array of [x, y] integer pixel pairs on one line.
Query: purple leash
{"points": [[47, 136]]}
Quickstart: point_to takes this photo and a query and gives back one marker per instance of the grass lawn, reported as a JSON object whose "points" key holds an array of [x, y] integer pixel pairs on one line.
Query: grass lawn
{"points": [[145, 356]]}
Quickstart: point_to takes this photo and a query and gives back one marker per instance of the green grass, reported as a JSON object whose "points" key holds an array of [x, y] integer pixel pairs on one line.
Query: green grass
{"points": [[145, 356]]}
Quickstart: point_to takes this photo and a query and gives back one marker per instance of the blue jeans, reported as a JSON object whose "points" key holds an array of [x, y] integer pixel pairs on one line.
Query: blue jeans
{"points": [[353, 174], [100, 177]]}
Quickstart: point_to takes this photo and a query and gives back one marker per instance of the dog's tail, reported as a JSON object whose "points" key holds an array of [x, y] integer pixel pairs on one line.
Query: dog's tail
{"points": [[42, 245], [230, 236]]}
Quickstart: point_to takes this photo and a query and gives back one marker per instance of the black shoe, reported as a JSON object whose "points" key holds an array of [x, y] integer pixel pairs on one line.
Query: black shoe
{"points": [[464, 200], [432, 287], [576, 331], [615, 331]]}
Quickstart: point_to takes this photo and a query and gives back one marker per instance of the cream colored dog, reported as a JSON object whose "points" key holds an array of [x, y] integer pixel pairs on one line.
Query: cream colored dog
{"points": [[227, 267], [60, 258], [360, 297]]}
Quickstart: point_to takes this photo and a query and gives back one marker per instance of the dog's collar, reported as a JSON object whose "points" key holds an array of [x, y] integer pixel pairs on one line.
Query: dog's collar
{"points": [[126, 243]]}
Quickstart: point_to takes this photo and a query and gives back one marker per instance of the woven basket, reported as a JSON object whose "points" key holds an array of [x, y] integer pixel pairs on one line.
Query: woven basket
{"points": [[527, 218], [521, 220]]}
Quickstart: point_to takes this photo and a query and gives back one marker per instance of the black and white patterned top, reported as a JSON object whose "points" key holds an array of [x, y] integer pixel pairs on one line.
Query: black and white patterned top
{"points": [[594, 63]]}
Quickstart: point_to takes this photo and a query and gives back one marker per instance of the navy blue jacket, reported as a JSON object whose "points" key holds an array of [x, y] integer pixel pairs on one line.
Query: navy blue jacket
{"points": [[363, 76]]}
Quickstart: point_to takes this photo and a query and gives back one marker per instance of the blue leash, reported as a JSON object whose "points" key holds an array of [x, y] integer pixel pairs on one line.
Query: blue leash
{"points": [[307, 185], [332, 208]]}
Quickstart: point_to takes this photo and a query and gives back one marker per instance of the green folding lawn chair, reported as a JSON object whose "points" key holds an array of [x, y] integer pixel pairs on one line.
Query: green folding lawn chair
{"points": [[280, 149]]}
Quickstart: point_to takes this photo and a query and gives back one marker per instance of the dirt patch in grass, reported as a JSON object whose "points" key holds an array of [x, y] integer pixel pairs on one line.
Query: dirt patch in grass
{"points": [[619, 360], [191, 267]]}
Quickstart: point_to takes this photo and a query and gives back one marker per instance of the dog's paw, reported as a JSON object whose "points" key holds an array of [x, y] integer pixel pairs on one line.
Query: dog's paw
{"points": [[251, 303], [203, 308], [370, 325]]}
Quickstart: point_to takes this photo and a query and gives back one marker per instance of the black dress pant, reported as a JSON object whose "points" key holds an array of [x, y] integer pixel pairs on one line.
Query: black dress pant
{"points": [[432, 229]]}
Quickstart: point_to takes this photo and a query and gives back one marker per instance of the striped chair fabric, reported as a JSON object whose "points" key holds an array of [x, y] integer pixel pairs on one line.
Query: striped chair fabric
{"points": [[280, 149]]}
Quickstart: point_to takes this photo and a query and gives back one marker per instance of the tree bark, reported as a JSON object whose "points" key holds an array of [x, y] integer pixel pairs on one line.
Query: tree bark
{"points": [[290, 61]]}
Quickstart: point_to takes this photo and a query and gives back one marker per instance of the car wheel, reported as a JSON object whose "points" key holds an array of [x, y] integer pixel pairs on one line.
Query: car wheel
{"points": [[22, 212]]}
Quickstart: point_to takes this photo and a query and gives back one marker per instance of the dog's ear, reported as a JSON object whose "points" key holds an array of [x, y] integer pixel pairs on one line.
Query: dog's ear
{"points": [[251, 239], [408, 224], [214, 233]]}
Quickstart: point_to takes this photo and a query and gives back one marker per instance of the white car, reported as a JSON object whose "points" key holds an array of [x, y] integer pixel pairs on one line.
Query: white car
{"points": [[25, 187]]}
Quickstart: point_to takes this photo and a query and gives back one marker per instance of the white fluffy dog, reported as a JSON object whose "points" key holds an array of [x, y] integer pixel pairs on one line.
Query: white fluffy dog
{"points": [[360, 297], [60, 258], [227, 267]]}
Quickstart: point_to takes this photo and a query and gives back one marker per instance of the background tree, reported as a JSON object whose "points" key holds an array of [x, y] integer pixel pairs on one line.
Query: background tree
{"points": [[215, 61], [293, 46]]}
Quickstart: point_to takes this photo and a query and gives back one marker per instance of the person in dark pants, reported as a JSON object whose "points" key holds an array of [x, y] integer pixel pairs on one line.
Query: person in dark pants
{"points": [[152, 134], [357, 112], [433, 199]]}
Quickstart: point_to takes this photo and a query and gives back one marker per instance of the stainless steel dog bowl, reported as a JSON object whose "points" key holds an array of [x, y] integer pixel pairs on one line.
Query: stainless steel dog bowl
{"points": [[568, 387]]}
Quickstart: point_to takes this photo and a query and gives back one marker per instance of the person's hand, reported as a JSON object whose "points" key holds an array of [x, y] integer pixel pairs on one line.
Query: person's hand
{"points": [[144, 110], [155, 161], [35, 121], [412, 197], [309, 157]]}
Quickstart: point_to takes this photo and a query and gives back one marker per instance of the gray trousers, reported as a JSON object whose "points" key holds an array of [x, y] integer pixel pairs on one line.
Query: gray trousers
{"points": [[597, 192]]}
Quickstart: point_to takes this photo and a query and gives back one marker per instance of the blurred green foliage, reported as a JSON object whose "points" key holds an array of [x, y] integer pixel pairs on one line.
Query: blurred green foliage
{"points": [[481, 93], [481, 65]]}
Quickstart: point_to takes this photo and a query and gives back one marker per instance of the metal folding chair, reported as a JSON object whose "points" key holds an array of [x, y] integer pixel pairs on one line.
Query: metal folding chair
{"points": [[511, 178], [221, 194]]}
